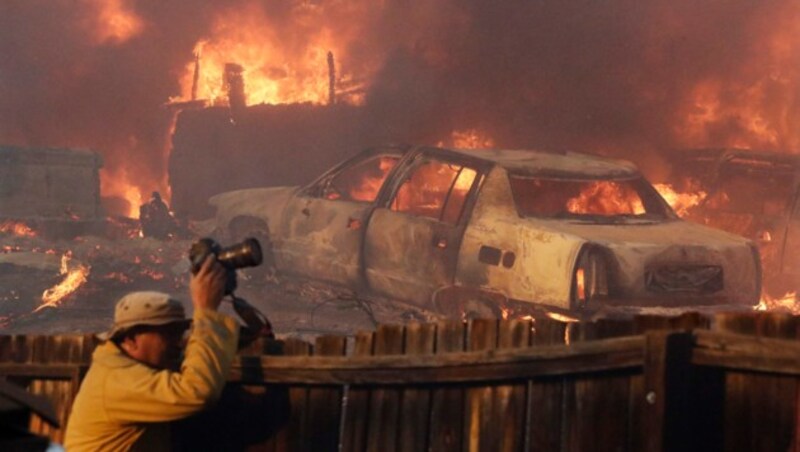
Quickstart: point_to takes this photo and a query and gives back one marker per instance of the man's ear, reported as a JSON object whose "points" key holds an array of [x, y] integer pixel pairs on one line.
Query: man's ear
{"points": [[129, 344]]}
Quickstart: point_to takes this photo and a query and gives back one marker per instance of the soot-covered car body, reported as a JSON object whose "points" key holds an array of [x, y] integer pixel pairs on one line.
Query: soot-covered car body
{"points": [[471, 230], [755, 194]]}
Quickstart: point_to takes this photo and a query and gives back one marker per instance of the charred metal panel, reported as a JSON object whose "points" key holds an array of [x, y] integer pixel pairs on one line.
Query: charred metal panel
{"points": [[638, 248], [265, 204], [49, 183], [541, 271], [409, 257], [321, 238]]}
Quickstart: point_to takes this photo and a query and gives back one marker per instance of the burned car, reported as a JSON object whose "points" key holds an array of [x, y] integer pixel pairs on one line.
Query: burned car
{"points": [[480, 231], [754, 194]]}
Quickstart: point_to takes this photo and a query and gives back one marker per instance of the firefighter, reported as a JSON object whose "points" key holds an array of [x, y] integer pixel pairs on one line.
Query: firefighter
{"points": [[135, 386], [156, 219]]}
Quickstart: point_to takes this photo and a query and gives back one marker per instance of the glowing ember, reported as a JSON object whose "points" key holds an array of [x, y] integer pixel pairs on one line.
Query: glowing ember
{"points": [[604, 198], [680, 202], [17, 228], [73, 279], [561, 317], [787, 302]]}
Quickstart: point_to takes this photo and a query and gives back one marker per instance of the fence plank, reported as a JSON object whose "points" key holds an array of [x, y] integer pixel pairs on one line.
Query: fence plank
{"points": [[447, 404], [546, 400], [325, 403], [415, 410], [356, 419], [481, 430], [512, 400], [296, 435], [384, 403]]}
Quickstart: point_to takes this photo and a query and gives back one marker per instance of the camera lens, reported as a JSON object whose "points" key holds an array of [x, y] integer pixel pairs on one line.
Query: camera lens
{"points": [[241, 255]]}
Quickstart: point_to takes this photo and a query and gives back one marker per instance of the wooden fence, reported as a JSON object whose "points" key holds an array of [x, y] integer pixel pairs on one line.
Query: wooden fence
{"points": [[728, 382]]}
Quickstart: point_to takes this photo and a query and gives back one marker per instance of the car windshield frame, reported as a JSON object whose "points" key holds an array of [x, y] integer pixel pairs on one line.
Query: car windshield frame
{"points": [[656, 209]]}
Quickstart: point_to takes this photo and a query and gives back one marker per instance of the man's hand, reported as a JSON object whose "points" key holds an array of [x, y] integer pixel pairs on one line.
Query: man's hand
{"points": [[208, 285]]}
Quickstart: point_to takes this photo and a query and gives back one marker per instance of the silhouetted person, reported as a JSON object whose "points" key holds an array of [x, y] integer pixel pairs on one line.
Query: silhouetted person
{"points": [[156, 219]]}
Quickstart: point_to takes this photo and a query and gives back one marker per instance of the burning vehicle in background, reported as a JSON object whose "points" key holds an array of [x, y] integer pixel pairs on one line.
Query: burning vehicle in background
{"points": [[755, 195], [482, 231]]}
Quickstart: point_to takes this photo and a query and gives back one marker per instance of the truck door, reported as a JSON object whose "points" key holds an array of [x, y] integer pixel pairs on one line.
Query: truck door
{"points": [[324, 224], [414, 234]]}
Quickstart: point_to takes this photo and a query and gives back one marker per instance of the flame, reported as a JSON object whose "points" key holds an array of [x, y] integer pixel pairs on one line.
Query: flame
{"points": [[426, 191], [115, 22], [788, 302], [604, 197], [368, 188], [580, 279], [73, 279], [17, 228], [118, 185], [277, 70], [680, 202]]}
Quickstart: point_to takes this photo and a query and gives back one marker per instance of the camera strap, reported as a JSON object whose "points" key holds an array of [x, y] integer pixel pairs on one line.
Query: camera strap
{"points": [[256, 323]]}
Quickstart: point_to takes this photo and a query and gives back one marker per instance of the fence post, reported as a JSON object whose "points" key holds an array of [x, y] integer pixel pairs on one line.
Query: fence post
{"points": [[666, 392]]}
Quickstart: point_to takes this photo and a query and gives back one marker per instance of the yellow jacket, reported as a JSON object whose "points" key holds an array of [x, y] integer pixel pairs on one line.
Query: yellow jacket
{"points": [[124, 405]]}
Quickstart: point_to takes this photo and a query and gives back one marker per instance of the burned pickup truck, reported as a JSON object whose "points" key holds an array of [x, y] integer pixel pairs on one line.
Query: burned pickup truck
{"points": [[481, 231]]}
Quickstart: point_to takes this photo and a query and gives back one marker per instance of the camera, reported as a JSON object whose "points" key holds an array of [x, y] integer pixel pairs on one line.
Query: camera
{"points": [[246, 253]]}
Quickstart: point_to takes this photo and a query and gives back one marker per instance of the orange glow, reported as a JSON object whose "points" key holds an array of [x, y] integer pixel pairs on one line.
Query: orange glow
{"points": [[603, 198], [680, 202], [786, 303], [115, 22], [561, 317], [17, 228], [580, 280], [370, 185], [74, 276], [468, 139], [278, 68], [118, 185]]}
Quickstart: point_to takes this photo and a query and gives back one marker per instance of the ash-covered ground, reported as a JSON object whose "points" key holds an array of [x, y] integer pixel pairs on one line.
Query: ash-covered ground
{"points": [[109, 268]]}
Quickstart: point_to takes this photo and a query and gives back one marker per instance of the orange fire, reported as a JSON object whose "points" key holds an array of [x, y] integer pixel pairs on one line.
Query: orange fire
{"points": [[680, 202], [787, 303], [278, 67], [603, 198], [17, 228], [119, 185], [74, 276], [369, 186]]}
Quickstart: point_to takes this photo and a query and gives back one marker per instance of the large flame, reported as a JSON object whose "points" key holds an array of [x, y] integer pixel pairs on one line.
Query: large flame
{"points": [[74, 276], [278, 68], [606, 198], [680, 202]]}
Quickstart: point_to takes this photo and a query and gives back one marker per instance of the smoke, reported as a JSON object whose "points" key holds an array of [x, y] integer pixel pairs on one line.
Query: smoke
{"points": [[622, 77]]}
